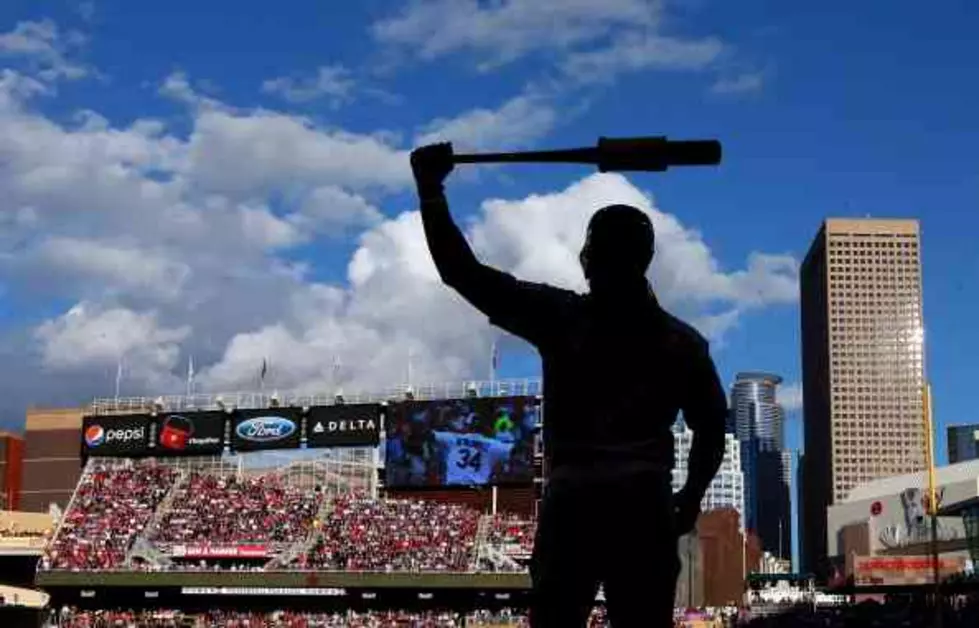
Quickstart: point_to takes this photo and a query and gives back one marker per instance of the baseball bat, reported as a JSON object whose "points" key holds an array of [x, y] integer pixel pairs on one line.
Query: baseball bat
{"points": [[650, 154]]}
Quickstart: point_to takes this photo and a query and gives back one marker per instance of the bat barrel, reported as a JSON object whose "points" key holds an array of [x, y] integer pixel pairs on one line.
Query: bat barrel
{"points": [[694, 153]]}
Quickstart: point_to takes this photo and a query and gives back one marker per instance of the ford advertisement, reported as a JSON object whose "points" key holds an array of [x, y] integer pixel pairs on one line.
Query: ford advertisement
{"points": [[353, 425], [117, 435], [189, 433], [274, 428]]}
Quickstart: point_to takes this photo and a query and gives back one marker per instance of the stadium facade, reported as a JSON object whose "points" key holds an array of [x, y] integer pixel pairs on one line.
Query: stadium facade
{"points": [[888, 518], [963, 442], [758, 422]]}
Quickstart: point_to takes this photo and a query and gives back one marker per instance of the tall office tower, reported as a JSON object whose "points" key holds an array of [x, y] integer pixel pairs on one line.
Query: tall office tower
{"points": [[963, 443], [727, 488], [758, 423], [862, 364]]}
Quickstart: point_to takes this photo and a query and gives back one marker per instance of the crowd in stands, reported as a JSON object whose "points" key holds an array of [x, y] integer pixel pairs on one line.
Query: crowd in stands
{"points": [[111, 506], [224, 510], [394, 535], [511, 531], [75, 618]]}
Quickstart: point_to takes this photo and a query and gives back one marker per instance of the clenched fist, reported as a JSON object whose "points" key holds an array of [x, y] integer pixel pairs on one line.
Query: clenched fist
{"points": [[431, 165]]}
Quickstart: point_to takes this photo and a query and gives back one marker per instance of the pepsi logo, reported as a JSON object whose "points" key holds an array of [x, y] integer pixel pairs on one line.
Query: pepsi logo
{"points": [[94, 435], [265, 429]]}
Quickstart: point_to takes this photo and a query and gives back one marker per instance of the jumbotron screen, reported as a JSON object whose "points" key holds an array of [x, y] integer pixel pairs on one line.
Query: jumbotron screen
{"points": [[461, 442]]}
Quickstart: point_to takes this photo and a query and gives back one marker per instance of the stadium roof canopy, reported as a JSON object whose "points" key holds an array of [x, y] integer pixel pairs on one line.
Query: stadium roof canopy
{"points": [[883, 487]]}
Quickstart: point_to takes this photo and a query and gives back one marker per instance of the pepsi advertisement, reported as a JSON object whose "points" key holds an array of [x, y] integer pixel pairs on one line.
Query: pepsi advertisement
{"points": [[117, 435], [355, 425], [260, 429], [461, 442], [189, 433]]}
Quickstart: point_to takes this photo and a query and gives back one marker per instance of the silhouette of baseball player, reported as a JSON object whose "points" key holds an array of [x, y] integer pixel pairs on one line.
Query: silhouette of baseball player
{"points": [[617, 371]]}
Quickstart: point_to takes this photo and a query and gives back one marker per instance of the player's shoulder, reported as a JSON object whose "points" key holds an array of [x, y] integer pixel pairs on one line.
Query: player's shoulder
{"points": [[682, 334]]}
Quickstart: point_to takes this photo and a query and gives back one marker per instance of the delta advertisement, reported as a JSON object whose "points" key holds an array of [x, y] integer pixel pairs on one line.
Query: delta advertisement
{"points": [[273, 428], [354, 425], [189, 433], [117, 435]]}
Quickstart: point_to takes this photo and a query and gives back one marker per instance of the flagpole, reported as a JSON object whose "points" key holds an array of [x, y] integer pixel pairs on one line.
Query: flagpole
{"points": [[190, 376], [410, 357], [118, 377]]}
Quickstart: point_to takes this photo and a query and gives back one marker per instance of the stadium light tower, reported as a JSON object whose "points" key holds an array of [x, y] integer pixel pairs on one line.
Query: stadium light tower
{"points": [[338, 398], [158, 406], [471, 391], [274, 400]]}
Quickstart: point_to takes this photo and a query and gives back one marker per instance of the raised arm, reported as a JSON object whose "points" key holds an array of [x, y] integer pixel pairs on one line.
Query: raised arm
{"points": [[522, 308], [454, 258]]}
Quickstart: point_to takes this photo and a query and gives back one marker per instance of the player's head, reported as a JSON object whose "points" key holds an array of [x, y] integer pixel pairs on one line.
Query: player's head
{"points": [[618, 247]]}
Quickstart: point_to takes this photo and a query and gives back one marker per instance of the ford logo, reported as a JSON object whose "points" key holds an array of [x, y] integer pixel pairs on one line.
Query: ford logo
{"points": [[265, 429]]}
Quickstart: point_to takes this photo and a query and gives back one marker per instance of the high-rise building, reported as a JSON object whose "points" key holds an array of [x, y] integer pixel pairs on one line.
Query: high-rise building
{"points": [[963, 443], [727, 488], [862, 364], [758, 422]]}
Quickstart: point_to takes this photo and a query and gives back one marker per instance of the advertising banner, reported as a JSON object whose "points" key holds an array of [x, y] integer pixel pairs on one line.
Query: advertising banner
{"points": [[902, 570], [117, 435], [461, 442], [355, 425], [219, 551], [189, 433], [260, 429]]}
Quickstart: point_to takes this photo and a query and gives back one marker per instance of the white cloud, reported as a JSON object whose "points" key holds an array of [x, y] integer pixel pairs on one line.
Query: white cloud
{"points": [[88, 335], [740, 84], [43, 47], [175, 245], [331, 82], [642, 51], [590, 41], [504, 31], [790, 396], [516, 124]]}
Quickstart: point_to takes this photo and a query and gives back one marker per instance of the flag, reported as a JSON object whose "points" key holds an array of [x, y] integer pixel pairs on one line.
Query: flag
{"points": [[494, 360], [190, 375], [265, 369]]}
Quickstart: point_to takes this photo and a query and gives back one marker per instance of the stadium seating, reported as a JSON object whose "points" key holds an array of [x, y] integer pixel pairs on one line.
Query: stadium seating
{"points": [[394, 535], [223, 510], [509, 531], [75, 618], [110, 507]]}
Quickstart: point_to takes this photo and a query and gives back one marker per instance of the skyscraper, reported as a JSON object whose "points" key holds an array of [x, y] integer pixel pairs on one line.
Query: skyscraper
{"points": [[727, 488], [758, 423], [862, 364], [963, 443]]}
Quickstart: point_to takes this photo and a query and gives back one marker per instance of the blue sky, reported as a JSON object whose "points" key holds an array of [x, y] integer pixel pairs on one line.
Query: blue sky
{"points": [[840, 109]]}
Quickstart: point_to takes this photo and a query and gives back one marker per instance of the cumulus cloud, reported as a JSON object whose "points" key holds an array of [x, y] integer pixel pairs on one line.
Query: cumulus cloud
{"points": [[504, 31], [333, 83], [149, 246], [515, 124], [591, 42], [44, 49]]}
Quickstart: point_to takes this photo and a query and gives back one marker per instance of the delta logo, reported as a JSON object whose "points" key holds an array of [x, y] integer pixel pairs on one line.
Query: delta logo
{"points": [[96, 435]]}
